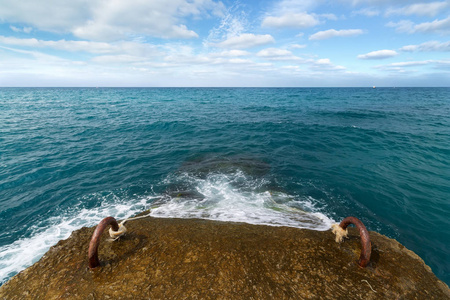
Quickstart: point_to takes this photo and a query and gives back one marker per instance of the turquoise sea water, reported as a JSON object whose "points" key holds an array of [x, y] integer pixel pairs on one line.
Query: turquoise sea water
{"points": [[302, 157]]}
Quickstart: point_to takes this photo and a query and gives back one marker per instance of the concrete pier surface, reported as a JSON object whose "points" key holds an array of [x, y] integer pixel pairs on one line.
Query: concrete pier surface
{"points": [[201, 259]]}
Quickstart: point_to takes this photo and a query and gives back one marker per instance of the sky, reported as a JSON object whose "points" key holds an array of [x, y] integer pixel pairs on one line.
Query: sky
{"points": [[208, 43]]}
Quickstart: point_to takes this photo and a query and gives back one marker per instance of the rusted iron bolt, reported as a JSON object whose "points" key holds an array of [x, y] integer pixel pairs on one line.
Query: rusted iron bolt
{"points": [[95, 240], [366, 246]]}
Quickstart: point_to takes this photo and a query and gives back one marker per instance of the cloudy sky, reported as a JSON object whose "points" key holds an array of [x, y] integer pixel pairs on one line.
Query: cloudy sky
{"points": [[224, 43]]}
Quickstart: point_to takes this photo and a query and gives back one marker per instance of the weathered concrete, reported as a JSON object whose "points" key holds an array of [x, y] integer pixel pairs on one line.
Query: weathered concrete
{"points": [[199, 259]]}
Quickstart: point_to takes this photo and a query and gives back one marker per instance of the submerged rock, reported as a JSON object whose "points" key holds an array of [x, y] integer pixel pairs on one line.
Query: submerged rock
{"points": [[205, 165], [200, 259]]}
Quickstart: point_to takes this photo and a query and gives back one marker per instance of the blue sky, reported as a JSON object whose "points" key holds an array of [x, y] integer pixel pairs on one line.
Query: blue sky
{"points": [[224, 43]]}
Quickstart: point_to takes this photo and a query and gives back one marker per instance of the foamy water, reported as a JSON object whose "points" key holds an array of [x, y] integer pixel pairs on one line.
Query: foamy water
{"points": [[235, 198], [26, 251]]}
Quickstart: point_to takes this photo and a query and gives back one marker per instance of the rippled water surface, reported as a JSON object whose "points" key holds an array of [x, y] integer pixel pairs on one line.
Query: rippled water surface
{"points": [[283, 157]]}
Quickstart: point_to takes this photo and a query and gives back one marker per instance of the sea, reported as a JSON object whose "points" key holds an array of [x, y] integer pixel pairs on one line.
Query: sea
{"points": [[298, 157]]}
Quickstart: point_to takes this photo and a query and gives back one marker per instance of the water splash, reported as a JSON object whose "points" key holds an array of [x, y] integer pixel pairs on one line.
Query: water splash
{"points": [[237, 198]]}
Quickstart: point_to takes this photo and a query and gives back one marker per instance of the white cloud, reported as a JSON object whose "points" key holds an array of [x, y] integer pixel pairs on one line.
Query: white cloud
{"points": [[291, 20], [436, 26], [117, 59], [53, 15], [231, 53], [380, 3], [179, 31], [110, 20], [325, 64], [431, 46], [409, 48], [421, 9], [114, 20], [246, 40], [277, 54], [240, 61], [131, 48], [410, 63], [24, 29], [274, 52], [321, 35], [42, 57], [443, 64], [73, 46], [15, 29], [380, 54], [232, 24], [404, 26], [399, 66], [298, 46], [294, 68]]}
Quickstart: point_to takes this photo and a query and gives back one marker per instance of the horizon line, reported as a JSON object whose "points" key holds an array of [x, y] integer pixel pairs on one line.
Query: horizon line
{"points": [[225, 87]]}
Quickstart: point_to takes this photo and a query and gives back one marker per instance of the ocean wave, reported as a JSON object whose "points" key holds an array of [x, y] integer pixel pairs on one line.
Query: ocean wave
{"points": [[236, 197]]}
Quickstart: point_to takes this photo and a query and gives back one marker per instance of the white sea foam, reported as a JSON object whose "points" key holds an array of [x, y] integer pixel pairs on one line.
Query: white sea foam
{"points": [[222, 197], [221, 200], [26, 251]]}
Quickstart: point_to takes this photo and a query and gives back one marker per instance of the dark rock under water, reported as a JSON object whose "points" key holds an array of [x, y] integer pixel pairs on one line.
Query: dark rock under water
{"points": [[201, 259], [204, 165]]}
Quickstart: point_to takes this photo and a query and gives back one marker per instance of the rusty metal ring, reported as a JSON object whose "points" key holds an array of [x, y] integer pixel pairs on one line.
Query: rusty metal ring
{"points": [[366, 246], [95, 240]]}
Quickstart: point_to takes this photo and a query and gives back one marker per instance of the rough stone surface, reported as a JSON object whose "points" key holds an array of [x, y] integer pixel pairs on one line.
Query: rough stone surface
{"points": [[200, 259]]}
